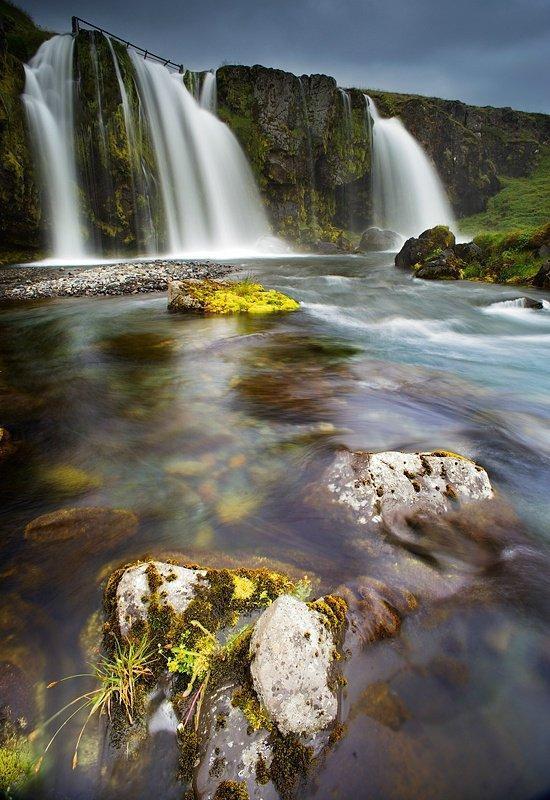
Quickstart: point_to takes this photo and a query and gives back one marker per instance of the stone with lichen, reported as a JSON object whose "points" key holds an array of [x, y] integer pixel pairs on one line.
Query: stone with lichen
{"points": [[218, 297], [373, 486]]}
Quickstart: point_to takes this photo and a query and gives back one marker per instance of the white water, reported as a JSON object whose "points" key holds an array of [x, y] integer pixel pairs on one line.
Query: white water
{"points": [[49, 103], [209, 94], [210, 201], [408, 195]]}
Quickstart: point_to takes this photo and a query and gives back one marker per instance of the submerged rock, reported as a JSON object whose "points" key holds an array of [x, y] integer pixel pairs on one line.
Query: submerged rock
{"points": [[372, 486], [292, 652], [416, 251], [7, 447], [217, 297], [374, 239], [94, 529]]}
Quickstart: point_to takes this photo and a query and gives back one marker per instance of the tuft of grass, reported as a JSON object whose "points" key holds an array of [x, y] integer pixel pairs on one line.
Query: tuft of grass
{"points": [[117, 677]]}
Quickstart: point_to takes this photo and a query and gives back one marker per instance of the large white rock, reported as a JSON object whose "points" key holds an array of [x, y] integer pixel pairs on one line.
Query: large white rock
{"points": [[373, 485], [291, 653], [133, 594]]}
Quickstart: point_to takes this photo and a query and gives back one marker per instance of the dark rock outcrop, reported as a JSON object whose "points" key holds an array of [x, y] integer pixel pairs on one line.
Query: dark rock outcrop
{"points": [[542, 278], [417, 250]]}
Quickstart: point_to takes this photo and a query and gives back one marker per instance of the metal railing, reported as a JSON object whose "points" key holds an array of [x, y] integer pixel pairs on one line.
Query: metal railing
{"points": [[77, 22]]}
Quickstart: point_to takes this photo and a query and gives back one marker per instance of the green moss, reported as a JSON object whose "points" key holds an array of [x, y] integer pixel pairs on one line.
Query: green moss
{"points": [[292, 762], [245, 698], [16, 767], [217, 297], [189, 745], [509, 257], [232, 790]]}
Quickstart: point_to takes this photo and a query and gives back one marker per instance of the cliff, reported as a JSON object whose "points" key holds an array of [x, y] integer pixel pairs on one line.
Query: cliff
{"points": [[307, 141]]}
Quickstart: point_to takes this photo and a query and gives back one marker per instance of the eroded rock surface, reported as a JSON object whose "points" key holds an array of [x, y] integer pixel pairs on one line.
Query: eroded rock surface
{"points": [[374, 239], [292, 651], [177, 585], [372, 486]]}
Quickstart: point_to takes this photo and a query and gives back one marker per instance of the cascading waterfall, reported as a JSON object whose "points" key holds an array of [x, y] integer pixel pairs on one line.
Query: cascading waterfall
{"points": [[145, 230], [209, 95], [408, 195], [49, 103], [210, 200]]}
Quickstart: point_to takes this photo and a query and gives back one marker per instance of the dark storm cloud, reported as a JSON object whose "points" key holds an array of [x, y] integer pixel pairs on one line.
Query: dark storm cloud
{"points": [[480, 51]]}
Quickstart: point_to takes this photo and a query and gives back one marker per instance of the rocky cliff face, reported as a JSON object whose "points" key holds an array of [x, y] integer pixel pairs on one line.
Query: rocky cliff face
{"points": [[307, 141]]}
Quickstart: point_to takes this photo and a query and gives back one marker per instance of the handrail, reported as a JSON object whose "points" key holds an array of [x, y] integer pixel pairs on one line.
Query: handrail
{"points": [[77, 21]]}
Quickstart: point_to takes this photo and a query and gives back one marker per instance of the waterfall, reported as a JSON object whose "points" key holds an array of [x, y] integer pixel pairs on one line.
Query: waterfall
{"points": [[346, 107], [209, 99], [210, 200], [49, 102], [408, 195], [145, 231]]}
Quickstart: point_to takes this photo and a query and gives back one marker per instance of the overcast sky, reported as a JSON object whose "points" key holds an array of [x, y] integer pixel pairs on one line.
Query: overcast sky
{"points": [[488, 52]]}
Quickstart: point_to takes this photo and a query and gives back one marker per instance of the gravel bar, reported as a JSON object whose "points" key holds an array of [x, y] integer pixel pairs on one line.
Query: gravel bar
{"points": [[33, 283]]}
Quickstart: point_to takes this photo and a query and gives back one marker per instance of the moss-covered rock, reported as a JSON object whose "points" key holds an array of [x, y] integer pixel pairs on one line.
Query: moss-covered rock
{"points": [[416, 251], [217, 297]]}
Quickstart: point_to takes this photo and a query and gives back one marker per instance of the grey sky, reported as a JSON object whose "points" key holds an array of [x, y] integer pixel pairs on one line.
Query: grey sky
{"points": [[488, 52]]}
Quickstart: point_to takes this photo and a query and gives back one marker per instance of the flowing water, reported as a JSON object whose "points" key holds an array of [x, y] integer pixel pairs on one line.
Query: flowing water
{"points": [[49, 102], [408, 195], [215, 432], [209, 95]]}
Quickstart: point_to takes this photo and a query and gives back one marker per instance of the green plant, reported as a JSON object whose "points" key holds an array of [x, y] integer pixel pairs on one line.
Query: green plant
{"points": [[117, 676]]}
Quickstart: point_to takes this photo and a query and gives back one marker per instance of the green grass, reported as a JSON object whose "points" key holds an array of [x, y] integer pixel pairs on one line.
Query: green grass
{"points": [[521, 203], [508, 256]]}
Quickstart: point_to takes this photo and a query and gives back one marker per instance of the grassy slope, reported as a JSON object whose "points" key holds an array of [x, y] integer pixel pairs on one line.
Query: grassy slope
{"points": [[522, 203]]}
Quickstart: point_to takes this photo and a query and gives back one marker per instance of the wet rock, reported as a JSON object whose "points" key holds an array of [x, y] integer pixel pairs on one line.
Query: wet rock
{"points": [[381, 703], [375, 610], [417, 250], [175, 584], [373, 486], [7, 446], [527, 302], [93, 529], [467, 252], [217, 297], [542, 278], [233, 751], [444, 266], [292, 651], [374, 239], [16, 693]]}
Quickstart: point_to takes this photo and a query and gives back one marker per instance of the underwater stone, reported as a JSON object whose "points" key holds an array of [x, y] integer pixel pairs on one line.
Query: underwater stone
{"points": [[292, 651], [176, 584], [374, 485], [96, 529]]}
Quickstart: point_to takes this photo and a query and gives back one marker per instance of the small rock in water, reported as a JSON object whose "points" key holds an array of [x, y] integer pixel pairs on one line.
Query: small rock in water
{"points": [[372, 486], [374, 239], [292, 651]]}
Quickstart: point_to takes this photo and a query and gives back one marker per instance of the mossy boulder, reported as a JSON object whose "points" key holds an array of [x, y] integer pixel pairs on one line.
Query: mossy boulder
{"points": [[217, 297], [416, 251]]}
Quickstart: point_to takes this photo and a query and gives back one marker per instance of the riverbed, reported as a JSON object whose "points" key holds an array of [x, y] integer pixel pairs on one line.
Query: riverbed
{"points": [[216, 431]]}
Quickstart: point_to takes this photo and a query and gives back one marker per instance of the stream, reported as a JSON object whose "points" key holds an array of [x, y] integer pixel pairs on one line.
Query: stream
{"points": [[214, 431]]}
